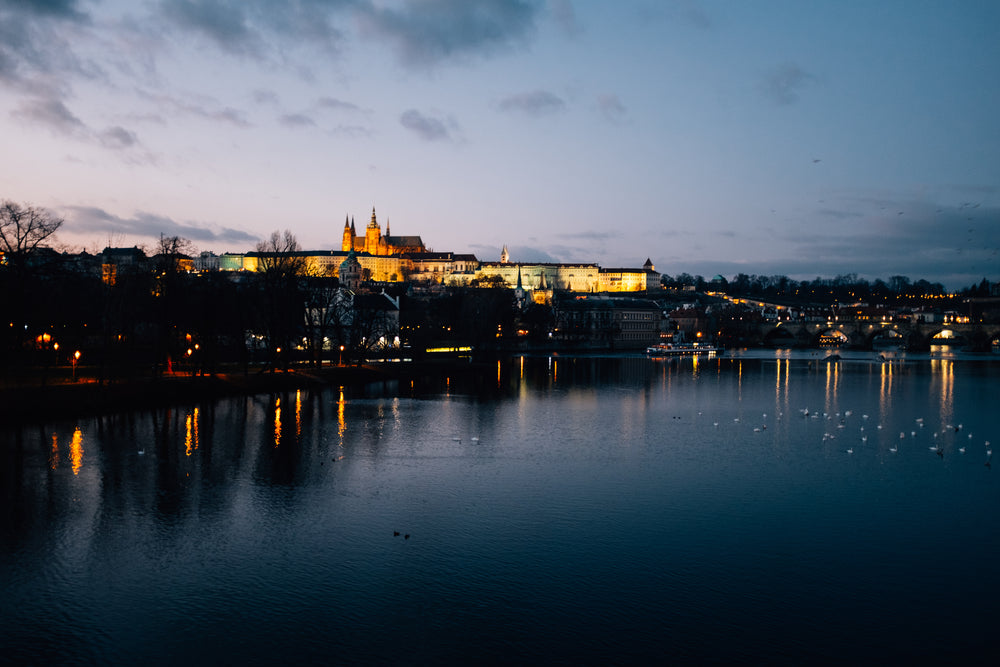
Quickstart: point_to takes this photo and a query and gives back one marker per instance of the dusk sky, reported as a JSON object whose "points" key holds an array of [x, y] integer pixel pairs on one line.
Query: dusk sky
{"points": [[799, 138]]}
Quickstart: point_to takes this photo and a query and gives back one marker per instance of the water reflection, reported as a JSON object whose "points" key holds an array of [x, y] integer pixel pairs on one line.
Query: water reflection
{"points": [[298, 414], [602, 478], [277, 422], [832, 385], [76, 451], [341, 416], [886, 374], [943, 371], [191, 432]]}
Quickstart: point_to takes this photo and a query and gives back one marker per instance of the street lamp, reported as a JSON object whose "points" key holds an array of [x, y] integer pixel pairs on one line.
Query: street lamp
{"points": [[76, 357], [340, 358]]}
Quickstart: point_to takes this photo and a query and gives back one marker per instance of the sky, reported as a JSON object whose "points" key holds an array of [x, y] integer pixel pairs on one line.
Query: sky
{"points": [[775, 137]]}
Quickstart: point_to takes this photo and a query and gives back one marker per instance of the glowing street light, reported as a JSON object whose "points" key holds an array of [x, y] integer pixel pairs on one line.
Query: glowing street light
{"points": [[340, 358], [76, 357]]}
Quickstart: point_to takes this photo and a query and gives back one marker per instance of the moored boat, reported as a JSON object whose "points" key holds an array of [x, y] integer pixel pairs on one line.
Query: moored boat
{"points": [[681, 349]]}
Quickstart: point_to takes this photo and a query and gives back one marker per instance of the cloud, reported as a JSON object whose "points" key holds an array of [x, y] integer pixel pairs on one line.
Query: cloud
{"points": [[36, 51], [534, 103], [427, 32], [87, 219], [265, 97], [56, 117], [565, 16], [296, 120], [117, 137], [611, 108], [246, 27], [681, 11], [334, 104], [838, 214], [427, 127], [57, 8], [222, 22], [783, 84], [51, 113], [203, 109]]}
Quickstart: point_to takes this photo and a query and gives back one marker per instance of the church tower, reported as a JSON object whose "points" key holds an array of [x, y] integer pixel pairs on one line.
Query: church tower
{"points": [[348, 243], [504, 255], [373, 235]]}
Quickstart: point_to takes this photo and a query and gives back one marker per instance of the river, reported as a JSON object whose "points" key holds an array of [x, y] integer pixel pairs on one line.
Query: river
{"points": [[761, 506]]}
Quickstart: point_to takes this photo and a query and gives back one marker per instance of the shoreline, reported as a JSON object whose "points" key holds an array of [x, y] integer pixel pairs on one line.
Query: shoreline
{"points": [[30, 401]]}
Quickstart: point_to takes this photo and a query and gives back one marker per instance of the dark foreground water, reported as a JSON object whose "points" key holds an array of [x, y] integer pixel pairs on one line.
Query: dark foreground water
{"points": [[573, 511]]}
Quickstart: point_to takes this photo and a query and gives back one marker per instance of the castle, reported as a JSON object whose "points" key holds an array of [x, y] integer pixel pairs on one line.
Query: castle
{"points": [[375, 243]]}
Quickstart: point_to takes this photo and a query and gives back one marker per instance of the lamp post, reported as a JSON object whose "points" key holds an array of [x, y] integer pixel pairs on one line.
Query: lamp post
{"points": [[76, 357], [340, 357]]}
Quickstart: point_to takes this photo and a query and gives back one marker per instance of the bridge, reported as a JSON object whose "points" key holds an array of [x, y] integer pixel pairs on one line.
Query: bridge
{"points": [[867, 335]]}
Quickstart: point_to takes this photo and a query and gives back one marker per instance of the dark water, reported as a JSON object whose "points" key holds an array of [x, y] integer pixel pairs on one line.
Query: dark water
{"points": [[566, 511]]}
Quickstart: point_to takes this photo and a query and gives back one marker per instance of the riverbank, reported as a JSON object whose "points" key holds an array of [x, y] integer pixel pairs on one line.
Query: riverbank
{"points": [[33, 398]]}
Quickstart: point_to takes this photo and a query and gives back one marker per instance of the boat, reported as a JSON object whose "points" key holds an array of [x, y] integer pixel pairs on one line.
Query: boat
{"points": [[681, 349]]}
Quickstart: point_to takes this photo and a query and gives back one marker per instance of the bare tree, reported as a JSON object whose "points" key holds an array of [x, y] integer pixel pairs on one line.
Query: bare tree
{"points": [[23, 227], [280, 265], [280, 255], [170, 250], [327, 315]]}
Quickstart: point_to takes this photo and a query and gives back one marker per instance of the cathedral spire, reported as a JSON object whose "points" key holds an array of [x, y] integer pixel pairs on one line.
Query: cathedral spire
{"points": [[504, 255]]}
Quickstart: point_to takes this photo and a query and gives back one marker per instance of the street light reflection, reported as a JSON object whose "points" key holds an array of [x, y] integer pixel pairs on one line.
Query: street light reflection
{"points": [[76, 451]]}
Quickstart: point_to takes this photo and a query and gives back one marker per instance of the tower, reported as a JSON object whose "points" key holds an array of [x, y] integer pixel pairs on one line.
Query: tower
{"points": [[350, 272], [373, 235], [348, 243], [504, 255]]}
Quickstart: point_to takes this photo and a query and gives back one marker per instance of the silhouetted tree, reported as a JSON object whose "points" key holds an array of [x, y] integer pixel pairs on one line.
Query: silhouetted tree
{"points": [[279, 265], [23, 228]]}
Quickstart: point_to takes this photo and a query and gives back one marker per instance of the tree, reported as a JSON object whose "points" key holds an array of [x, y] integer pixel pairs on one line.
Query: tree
{"points": [[279, 255], [24, 228], [280, 264], [326, 314]]}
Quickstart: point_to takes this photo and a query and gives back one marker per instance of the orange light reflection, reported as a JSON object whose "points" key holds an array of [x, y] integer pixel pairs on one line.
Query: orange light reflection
{"points": [[76, 451], [277, 422], [54, 456]]}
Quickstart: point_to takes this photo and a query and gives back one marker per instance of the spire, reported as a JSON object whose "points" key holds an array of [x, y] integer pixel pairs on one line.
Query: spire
{"points": [[347, 220], [374, 223], [519, 278], [541, 281], [352, 226], [387, 227], [504, 255]]}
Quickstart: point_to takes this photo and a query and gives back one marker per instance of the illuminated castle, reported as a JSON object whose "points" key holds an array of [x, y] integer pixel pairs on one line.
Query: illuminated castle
{"points": [[375, 243]]}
